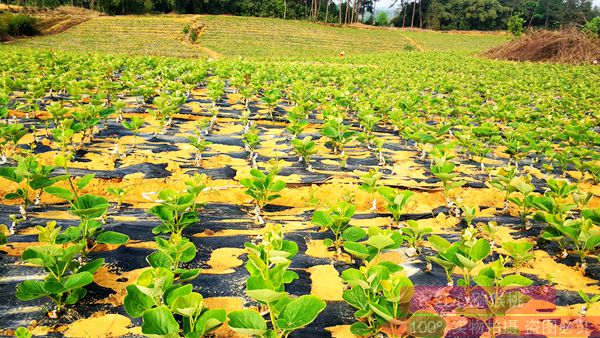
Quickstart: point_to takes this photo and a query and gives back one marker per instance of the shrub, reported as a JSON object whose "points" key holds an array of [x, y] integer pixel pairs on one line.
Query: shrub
{"points": [[18, 25], [382, 19], [592, 27], [516, 25], [194, 36]]}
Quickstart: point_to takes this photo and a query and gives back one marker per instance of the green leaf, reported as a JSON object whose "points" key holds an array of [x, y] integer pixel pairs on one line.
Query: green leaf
{"points": [[361, 329], [210, 320], [278, 186], [300, 312], [111, 237], [136, 302], [60, 193], [22, 332], [583, 296], [177, 291], [467, 263], [515, 280], [354, 234], [357, 250], [159, 322], [439, 243], [381, 311], [189, 305], [187, 275], [30, 289], [480, 250], [10, 174], [78, 280], [322, 219], [84, 181], [380, 241], [92, 266], [356, 297], [159, 259], [75, 296], [247, 322], [54, 286], [89, 206], [483, 281]]}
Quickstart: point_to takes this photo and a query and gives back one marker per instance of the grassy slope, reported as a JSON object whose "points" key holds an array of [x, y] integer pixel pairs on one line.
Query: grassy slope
{"points": [[442, 41], [260, 38], [136, 35]]}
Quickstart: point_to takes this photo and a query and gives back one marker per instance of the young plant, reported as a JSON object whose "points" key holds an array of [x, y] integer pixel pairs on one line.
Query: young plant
{"points": [[524, 200], [377, 240], [589, 301], [499, 296], [380, 291], [378, 143], [579, 233], [297, 122], [414, 234], [263, 188], [178, 209], [469, 214], [520, 253], [338, 134], [23, 332], [396, 201], [444, 171], [251, 142], [337, 219], [167, 105], [36, 178], [161, 302], [134, 124], [119, 106], [465, 254], [10, 135], [91, 211], [370, 184], [66, 278], [268, 264], [271, 98], [200, 144], [502, 181], [58, 111], [305, 148], [119, 193], [171, 253]]}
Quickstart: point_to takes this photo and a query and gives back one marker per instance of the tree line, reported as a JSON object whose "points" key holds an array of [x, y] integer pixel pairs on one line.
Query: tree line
{"points": [[431, 14], [331, 11], [492, 14]]}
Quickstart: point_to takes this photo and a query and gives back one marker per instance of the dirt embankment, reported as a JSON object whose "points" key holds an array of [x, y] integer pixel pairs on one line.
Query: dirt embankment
{"points": [[50, 21], [566, 46]]}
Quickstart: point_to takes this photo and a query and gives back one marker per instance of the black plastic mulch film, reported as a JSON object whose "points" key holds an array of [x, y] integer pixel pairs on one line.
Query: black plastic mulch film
{"points": [[215, 217]]}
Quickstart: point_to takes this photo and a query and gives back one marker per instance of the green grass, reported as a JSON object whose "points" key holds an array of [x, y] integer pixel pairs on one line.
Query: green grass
{"points": [[465, 42], [132, 35], [247, 37], [278, 38]]}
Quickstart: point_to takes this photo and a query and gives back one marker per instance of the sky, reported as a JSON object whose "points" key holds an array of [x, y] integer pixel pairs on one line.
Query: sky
{"points": [[381, 4]]}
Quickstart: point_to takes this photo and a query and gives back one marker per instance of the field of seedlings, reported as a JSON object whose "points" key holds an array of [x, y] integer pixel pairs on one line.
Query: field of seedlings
{"points": [[407, 194]]}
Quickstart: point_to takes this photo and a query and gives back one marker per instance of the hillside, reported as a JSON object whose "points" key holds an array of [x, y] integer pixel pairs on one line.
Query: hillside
{"points": [[227, 36]]}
